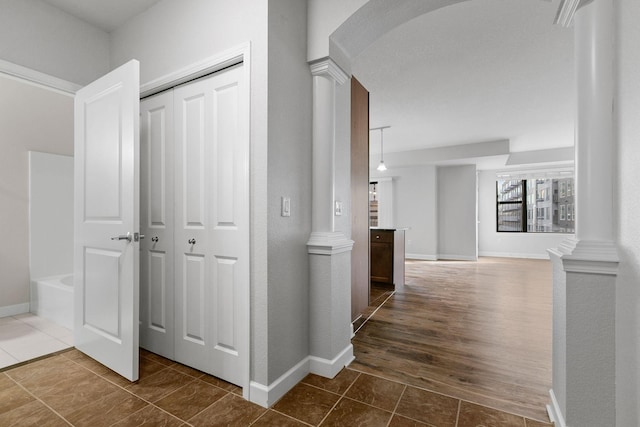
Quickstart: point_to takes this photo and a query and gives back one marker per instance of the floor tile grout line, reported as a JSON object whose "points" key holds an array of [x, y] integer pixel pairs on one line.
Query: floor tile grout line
{"points": [[395, 408], [142, 398], [448, 395], [38, 400], [458, 412], [210, 405], [374, 312], [342, 396]]}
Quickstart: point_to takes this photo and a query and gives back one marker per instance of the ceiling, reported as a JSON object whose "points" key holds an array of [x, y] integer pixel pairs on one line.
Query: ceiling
{"points": [[104, 14], [473, 72], [476, 71]]}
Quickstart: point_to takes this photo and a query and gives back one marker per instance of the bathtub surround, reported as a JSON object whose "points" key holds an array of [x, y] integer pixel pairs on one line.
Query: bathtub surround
{"points": [[50, 215]]}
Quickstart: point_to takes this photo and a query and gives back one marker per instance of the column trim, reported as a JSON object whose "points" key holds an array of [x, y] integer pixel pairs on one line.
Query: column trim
{"points": [[587, 256], [328, 243], [327, 67]]}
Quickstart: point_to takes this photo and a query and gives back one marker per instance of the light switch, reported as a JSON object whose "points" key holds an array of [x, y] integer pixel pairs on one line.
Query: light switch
{"points": [[338, 208], [285, 206]]}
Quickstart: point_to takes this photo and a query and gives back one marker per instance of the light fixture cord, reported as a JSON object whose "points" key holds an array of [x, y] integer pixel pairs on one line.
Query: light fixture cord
{"points": [[381, 149]]}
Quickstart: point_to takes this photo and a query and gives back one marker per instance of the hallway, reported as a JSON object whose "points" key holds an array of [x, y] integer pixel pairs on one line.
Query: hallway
{"points": [[477, 331]]}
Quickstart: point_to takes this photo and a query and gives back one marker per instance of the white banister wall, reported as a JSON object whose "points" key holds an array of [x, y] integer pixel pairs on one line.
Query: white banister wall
{"points": [[329, 251]]}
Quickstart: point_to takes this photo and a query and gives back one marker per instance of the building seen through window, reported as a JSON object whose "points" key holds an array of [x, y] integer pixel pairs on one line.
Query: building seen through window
{"points": [[536, 205]]}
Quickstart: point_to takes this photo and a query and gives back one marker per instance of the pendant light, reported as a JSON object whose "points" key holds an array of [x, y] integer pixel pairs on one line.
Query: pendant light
{"points": [[381, 167]]}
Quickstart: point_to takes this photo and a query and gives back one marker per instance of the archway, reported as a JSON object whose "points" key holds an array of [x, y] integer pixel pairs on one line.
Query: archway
{"points": [[583, 267]]}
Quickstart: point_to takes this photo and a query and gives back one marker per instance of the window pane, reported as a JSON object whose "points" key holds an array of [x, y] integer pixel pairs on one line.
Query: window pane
{"points": [[550, 206]]}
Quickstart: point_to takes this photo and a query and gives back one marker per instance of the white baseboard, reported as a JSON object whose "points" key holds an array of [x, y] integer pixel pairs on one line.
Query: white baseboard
{"points": [[513, 255], [12, 310], [330, 368], [421, 257], [555, 414], [454, 257], [266, 396]]}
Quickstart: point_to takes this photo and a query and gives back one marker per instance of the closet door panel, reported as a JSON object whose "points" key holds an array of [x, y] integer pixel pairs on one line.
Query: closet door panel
{"points": [[156, 218], [212, 154], [193, 136], [229, 235]]}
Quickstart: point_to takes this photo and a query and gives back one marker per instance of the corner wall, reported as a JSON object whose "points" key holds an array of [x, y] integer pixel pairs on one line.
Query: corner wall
{"points": [[415, 207], [289, 120], [627, 198], [21, 105]]}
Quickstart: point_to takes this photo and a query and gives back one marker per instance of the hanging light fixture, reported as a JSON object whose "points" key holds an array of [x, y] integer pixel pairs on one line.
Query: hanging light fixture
{"points": [[381, 167]]}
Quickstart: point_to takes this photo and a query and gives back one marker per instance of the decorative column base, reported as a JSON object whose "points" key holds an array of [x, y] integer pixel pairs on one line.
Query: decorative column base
{"points": [[330, 303], [584, 276]]}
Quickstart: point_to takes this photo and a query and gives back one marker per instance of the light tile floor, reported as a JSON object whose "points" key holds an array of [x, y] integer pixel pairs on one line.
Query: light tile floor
{"points": [[26, 336]]}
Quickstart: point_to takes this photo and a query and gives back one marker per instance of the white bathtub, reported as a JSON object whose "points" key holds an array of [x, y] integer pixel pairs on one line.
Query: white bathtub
{"points": [[52, 298]]}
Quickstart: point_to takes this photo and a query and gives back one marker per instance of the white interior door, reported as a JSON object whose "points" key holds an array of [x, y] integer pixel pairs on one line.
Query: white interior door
{"points": [[212, 225], [156, 223], [106, 207]]}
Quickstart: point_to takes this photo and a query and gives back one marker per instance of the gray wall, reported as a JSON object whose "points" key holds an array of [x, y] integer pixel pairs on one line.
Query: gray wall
{"points": [[35, 35], [457, 219], [415, 207], [289, 175], [22, 105], [628, 203]]}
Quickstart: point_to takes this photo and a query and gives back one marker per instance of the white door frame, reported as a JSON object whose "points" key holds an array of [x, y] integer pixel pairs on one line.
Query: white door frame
{"points": [[233, 56]]}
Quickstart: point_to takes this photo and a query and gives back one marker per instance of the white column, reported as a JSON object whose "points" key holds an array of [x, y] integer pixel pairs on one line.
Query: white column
{"points": [[594, 50], [329, 251], [585, 267]]}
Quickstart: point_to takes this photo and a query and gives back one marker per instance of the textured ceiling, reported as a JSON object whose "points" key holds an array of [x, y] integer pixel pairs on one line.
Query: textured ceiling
{"points": [[480, 70]]}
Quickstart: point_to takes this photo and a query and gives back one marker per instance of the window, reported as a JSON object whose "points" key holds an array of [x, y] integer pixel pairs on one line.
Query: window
{"points": [[538, 205]]}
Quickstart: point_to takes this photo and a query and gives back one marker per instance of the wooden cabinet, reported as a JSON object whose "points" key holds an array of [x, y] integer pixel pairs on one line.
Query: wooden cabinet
{"points": [[387, 257]]}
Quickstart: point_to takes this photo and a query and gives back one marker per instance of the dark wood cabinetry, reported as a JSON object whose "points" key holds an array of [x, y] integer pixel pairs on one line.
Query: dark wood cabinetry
{"points": [[387, 257]]}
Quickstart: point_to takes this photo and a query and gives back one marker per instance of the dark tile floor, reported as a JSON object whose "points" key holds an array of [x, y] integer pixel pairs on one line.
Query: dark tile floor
{"points": [[71, 389]]}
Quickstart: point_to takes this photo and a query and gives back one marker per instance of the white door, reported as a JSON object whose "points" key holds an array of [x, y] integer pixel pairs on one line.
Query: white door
{"points": [[212, 225], [106, 208], [156, 223]]}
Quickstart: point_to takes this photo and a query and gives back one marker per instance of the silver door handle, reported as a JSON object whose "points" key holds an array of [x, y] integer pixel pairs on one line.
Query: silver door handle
{"points": [[126, 237]]}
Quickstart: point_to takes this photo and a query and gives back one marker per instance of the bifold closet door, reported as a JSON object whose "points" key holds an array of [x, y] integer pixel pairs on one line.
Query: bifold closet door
{"points": [[157, 223], [212, 225]]}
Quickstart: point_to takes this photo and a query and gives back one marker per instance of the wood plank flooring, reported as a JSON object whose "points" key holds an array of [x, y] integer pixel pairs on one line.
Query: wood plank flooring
{"points": [[477, 331]]}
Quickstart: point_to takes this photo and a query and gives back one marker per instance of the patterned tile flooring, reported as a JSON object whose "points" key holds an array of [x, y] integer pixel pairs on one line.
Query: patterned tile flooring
{"points": [[69, 388]]}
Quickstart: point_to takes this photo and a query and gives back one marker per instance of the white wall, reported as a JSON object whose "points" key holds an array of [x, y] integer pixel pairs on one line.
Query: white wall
{"points": [[289, 175], [176, 33], [415, 207], [628, 203], [50, 214], [22, 106], [457, 219], [517, 245], [35, 35]]}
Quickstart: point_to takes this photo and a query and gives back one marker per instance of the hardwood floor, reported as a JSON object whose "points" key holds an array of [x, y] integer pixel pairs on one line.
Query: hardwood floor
{"points": [[477, 331]]}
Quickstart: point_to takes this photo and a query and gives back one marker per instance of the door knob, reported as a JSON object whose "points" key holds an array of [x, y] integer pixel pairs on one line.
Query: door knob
{"points": [[126, 237], [192, 241], [154, 239]]}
